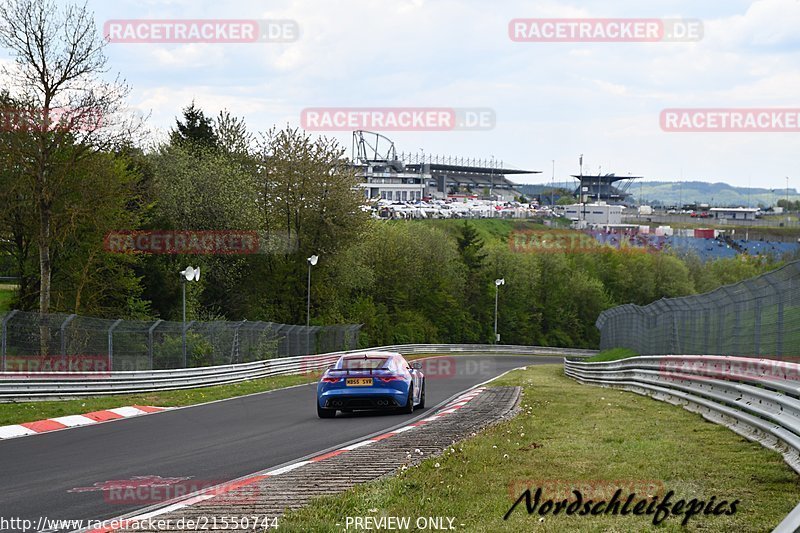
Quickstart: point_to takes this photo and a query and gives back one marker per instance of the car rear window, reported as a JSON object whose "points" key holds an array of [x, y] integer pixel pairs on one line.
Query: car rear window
{"points": [[362, 363]]}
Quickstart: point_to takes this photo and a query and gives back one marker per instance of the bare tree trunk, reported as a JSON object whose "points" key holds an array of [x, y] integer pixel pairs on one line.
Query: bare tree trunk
{"points": [[59, 64], [44, 275]]}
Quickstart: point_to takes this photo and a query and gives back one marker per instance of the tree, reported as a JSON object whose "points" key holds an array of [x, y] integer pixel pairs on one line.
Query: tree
{"points": [[17, 222], [470, 246], [477, 292], [566, 200], [232, 134], [57, 73], [195, 188], [195, 132], [308, 198], [403, 281], [87, 279]]}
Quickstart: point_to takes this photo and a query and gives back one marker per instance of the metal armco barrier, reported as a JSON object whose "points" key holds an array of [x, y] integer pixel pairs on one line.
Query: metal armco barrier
{"points": [[757, 398], [411, 349], [25, 386]]}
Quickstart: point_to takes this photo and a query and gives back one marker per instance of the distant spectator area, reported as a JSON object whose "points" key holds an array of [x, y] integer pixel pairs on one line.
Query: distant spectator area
{"points": [[721, 246]]}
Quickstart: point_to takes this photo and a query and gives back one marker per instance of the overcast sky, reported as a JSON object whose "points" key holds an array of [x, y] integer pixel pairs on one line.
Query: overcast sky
{"points": [[552, 101]]}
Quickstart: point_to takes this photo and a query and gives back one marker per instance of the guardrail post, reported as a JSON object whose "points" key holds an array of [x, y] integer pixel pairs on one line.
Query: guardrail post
{"points": [[185, 329], [64, 334], [150, 341], [676, 346], [289, 340], [235, 342], [721, 319], [778, 290], [4, 342], [757, 329], [737, 324], [779, 339], [111, 343]]}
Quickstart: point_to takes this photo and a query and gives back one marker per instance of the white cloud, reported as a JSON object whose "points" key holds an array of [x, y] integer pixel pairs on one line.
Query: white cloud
{"points": [[553, 101]]}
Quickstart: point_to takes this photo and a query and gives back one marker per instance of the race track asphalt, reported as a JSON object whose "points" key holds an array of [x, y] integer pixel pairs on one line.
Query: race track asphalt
{"points": [[212, 443]]}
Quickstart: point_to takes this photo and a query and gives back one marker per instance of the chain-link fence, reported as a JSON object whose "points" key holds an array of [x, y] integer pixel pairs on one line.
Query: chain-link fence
{"points": [[92, 343], [759, 317]]}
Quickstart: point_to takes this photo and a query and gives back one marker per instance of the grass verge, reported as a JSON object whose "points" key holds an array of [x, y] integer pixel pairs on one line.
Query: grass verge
{"points": [[614, 354], [584, 435], [17, 413]]}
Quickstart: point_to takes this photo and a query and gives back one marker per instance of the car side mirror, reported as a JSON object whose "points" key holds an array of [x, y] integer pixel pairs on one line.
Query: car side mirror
{"points": [[416, 366]]}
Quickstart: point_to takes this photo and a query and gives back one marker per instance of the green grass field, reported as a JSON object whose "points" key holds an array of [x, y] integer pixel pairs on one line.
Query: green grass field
{"points": [[489, 229], [584, 435]]}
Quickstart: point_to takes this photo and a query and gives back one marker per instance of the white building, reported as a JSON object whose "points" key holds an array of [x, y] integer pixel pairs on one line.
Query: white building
{"points": [[396, 186], [601, 214], [734, 213]]}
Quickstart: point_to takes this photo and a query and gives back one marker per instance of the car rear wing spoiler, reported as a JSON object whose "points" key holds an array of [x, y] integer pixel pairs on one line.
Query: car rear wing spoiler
{"points": [[356, 369]]}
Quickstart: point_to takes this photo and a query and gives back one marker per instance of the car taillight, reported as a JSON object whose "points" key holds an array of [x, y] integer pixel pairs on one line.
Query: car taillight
{"points": [[331, 380], [387, 379]]}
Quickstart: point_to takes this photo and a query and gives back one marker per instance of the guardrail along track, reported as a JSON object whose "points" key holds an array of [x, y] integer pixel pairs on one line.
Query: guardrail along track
{"points": [[26, 386], [757, 398]]}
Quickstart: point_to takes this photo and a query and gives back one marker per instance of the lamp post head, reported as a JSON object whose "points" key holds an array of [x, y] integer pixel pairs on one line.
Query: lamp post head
{"points": [[499, 282], [313, 260], [191, 273]]}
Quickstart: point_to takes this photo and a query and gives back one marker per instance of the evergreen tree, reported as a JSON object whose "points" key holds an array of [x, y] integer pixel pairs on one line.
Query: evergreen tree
{"points": [[195, 132]]}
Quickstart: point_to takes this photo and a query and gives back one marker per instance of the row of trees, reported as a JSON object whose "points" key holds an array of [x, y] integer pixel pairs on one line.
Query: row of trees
{"points": [[67, 180], [789, 205], [429, 281]]}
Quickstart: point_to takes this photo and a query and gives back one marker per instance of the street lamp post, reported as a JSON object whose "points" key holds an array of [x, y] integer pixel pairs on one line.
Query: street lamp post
{"points": [[312, 261], [497, 284], [581, 190], [189, 274], [491, 179]]}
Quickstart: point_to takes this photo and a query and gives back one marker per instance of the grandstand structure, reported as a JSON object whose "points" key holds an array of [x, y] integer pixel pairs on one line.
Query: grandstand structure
{"points": [[608, 188], [411, 177]]}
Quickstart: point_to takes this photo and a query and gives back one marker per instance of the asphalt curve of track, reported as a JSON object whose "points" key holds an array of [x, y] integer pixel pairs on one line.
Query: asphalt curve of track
{"points": [[214, 442]]}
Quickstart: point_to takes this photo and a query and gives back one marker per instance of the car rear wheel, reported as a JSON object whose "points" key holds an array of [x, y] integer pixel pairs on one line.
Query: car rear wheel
{"points": [[409, 408], [325, 413], [422, 397]]}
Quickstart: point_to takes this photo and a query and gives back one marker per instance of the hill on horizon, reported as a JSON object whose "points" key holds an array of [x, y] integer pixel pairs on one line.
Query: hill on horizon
{"points": [[718, 194]]}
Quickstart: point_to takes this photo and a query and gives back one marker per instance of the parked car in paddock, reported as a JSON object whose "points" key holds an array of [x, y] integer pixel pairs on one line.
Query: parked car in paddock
{"points": [[371, 381]]}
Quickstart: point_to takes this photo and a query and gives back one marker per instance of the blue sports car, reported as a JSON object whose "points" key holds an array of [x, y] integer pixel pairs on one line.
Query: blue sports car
{"points": [[372, 380]]}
